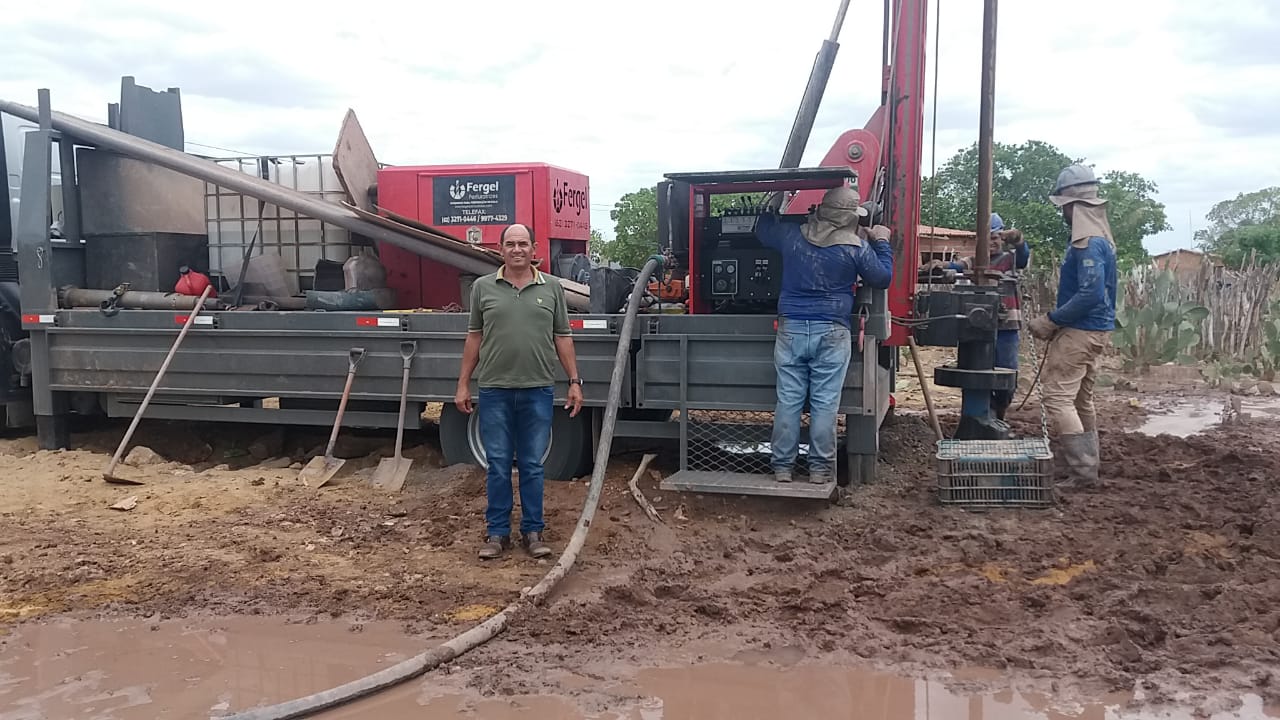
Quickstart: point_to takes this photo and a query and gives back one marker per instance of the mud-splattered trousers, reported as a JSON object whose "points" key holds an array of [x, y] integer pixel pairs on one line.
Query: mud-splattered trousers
{"points": [[1070, 372]]}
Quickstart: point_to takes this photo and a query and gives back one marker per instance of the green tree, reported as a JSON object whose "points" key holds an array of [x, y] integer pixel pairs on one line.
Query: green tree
{"points": [[1133, 212], [1260, 243], [1022, 178], [1260, 207], [1244, 227], [635, 230], [635, 217], [595, 245]]}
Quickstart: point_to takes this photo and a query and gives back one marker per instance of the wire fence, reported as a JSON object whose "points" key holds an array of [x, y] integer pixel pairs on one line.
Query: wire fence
{"points": [[1237, 303]]}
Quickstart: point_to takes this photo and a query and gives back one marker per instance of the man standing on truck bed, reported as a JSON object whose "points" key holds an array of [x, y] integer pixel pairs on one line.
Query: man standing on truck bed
{"points": [[1079, 330], [519, 325], [822, 260]]}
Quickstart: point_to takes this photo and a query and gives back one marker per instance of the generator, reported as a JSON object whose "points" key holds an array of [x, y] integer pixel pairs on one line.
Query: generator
{"points": [[706, 224], [475, 203]]}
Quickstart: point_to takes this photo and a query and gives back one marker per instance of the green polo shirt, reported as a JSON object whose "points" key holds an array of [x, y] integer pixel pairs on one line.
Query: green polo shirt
{"points": [[519, 326]]}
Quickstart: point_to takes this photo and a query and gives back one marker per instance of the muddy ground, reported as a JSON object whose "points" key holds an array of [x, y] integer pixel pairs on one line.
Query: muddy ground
{"points": [[1164, 580]]}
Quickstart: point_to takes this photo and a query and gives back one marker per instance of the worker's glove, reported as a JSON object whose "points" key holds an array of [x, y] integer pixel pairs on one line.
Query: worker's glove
{"points": [[880, 233], [1042, 327], [1011, 236]]}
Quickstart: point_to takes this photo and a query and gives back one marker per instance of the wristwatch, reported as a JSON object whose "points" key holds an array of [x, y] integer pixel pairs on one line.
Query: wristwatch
{"points": [[575, 381]]}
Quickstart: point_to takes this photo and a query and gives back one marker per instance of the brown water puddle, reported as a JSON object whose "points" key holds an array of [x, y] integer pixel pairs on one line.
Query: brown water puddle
{"points": [[125, 670], [1195, 416]]}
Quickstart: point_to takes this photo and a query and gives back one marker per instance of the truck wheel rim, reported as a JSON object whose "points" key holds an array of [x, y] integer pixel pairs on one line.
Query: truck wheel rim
{"points": [[477, 445]]}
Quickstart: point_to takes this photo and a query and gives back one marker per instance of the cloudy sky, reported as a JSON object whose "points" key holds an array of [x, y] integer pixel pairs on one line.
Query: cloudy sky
{"points": [[1183, 92]]}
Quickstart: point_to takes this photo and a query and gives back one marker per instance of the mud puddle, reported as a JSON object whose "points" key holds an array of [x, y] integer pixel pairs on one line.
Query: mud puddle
{"points": [[101, 670], [1192, 417], [196, 669]]}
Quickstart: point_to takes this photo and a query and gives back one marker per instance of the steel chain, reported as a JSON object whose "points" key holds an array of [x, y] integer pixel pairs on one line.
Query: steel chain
{"points": [[1035, 362]]}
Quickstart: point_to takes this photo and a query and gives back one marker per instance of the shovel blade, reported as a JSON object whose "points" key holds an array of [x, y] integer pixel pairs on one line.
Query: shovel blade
{"points": [[391, 473], [320, 470]]}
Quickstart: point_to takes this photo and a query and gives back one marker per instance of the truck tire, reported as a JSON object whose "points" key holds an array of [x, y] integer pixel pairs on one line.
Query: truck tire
{"points": [[568, 455]]}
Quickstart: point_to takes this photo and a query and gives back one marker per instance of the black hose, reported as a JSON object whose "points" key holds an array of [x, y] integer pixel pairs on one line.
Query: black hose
{"points": [[488, 629]]}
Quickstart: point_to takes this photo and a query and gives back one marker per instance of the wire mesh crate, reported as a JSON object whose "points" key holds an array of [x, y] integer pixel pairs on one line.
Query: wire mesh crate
{"points": [[995, 473]]}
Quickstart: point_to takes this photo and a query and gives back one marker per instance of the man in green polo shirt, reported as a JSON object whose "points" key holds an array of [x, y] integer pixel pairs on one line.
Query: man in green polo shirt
{"points": [[519, 327]]}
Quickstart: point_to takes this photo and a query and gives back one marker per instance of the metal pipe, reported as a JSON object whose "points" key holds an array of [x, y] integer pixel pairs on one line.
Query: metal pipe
{"points": [[884, 52], [839, 23], [986, 132], [74, 297], [807, 113], [462, 258]]}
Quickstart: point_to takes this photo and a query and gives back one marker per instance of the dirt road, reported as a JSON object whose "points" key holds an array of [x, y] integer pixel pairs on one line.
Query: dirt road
{"points": [[1165, 580]]}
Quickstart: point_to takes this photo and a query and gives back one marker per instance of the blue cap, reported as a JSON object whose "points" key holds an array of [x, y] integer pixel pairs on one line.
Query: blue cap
{"points": [[996, 223]]}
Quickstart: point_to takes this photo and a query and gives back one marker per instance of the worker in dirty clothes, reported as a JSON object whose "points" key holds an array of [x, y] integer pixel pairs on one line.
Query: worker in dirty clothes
{"points": [[519, 327], [1079, 329], [1010, 252], [822, 260]]}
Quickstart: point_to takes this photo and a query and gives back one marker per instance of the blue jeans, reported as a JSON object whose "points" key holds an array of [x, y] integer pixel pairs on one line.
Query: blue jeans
{"points": [[1006, 357], [811, 357], [515, 425]]}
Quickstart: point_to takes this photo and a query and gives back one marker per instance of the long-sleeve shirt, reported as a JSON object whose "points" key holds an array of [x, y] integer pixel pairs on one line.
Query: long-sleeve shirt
{"points": [[818, 282], [1087, 288]]}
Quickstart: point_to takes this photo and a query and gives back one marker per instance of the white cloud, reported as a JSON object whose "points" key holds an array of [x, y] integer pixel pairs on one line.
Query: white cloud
{"points": [[1177, 91]]}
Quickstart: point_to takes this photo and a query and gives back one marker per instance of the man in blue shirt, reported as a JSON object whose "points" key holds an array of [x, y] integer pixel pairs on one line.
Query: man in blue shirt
{"points": [[822, 260], [1080, 328]]}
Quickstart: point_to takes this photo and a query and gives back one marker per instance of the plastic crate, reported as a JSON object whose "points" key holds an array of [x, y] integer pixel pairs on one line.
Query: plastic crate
{"points": [[995, 473]]}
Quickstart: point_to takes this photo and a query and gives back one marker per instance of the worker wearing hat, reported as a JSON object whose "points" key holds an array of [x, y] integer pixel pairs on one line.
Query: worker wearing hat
{"points": [[822, 260], [1080, 327], [1009, 252]]}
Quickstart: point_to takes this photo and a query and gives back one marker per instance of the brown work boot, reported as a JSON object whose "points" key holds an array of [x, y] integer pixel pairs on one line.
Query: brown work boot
{"points": [[494, 546], [534, 545], [782, 476]]}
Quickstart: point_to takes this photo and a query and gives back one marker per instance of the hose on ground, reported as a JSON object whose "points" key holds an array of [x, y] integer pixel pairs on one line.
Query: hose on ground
{"points": [[485, 631]]}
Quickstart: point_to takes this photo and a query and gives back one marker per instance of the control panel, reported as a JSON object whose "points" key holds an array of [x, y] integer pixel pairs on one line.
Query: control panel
{"points": [[737, 272], [724, 277]]}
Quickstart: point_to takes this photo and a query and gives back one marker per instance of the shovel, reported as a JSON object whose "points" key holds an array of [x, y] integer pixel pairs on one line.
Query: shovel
{"points": [[110, 474], [392, 471], [321, 469]]}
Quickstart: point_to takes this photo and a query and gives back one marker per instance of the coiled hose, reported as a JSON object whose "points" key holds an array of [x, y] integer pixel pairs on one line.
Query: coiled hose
{"points": [[485, 631]]}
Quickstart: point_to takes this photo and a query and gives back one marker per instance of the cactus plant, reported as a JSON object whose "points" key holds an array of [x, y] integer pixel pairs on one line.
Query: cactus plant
{"points": [[1161, 328]]}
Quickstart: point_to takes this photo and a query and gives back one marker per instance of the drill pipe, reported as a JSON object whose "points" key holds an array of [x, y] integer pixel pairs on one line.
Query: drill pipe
{"points": [[986, 132]]}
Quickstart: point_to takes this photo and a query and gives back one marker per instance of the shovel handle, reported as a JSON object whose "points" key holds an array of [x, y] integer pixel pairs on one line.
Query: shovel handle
{"points": [[408, 349], [354, 356]]}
